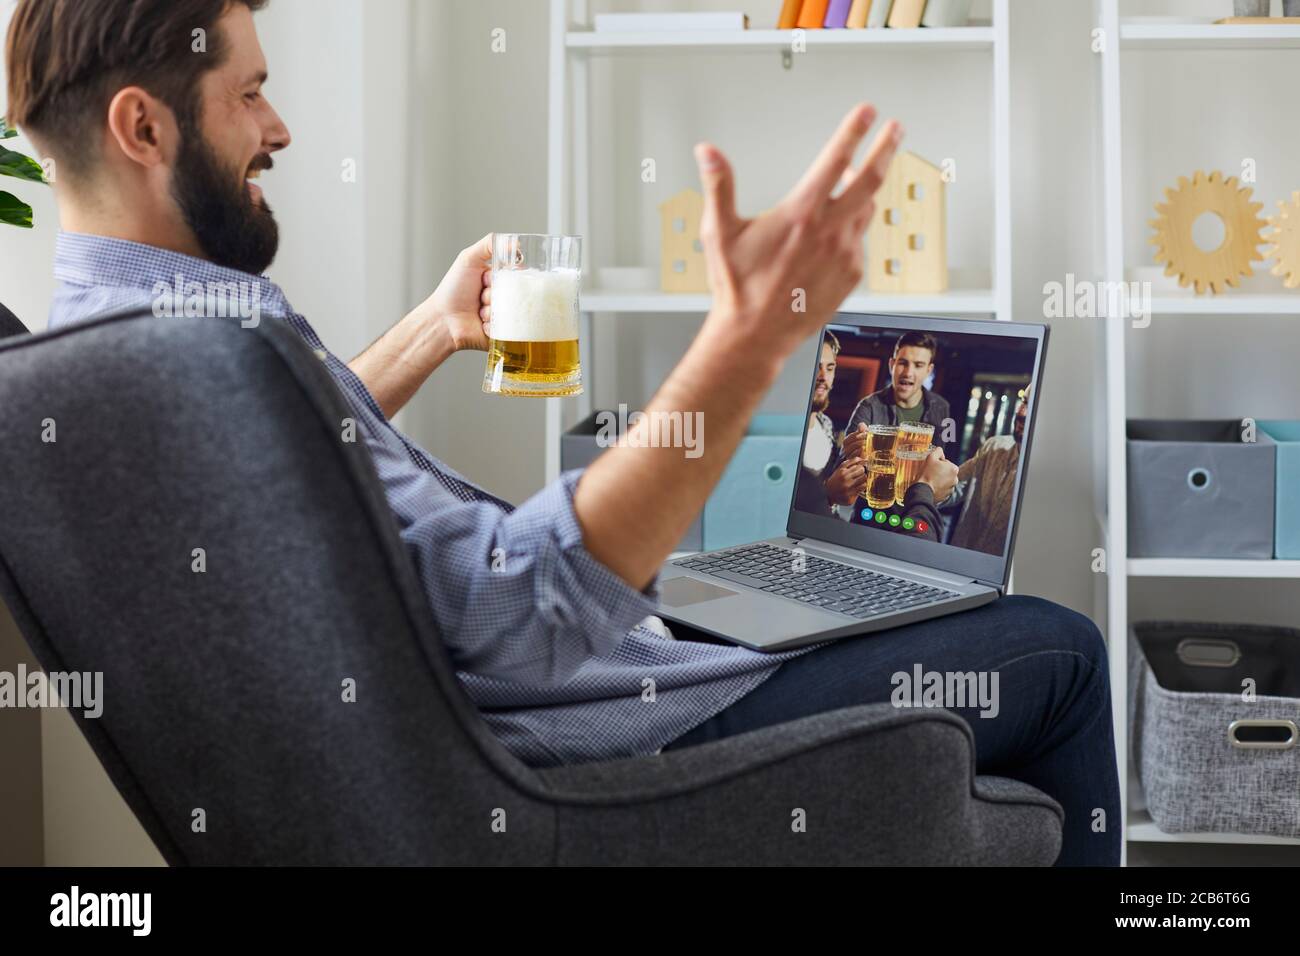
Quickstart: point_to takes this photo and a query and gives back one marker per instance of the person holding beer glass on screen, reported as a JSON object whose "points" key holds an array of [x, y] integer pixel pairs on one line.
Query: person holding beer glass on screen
{"points": [[905, 414], [545, 609]]}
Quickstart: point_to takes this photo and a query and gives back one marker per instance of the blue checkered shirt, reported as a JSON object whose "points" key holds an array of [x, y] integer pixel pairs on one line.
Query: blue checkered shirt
{"points": [[553, 648]]}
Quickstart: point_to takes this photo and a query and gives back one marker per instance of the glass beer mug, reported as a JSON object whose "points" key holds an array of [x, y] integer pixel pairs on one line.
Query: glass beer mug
{"points": [[881, 475], [533, 348]]}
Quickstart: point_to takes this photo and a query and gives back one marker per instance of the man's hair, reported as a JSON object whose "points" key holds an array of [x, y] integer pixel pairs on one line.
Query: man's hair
{"points": [[920, 340], [832, 341], [67, 59]]}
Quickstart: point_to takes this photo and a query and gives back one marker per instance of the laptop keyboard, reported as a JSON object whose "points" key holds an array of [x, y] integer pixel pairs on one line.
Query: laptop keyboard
{"points": [[825, 584]]}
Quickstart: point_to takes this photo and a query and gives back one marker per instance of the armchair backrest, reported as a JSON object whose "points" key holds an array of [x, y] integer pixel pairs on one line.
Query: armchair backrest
{"points": [[10, 324], [181, 514]]}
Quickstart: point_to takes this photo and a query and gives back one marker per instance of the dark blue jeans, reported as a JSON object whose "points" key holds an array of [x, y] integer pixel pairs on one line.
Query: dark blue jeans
{"points": [[1053, 726]]}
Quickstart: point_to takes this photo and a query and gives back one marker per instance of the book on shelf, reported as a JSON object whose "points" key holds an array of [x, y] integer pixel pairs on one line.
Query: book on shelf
{"points": [[946, 13], [653, 22], [858, 14], [905, 14], [837, 14], [879, 13], [813, 14], [789, 17]]}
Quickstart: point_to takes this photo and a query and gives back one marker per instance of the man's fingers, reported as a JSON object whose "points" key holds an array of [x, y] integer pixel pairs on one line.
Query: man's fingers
{"points": [[937, 453], [486, 295], [481, 251], [864, 182], [820, 179], [719, 186]]}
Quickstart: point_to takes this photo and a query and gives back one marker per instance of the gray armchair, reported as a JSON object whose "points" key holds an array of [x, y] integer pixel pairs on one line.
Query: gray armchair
{"points": [[223, 690]]}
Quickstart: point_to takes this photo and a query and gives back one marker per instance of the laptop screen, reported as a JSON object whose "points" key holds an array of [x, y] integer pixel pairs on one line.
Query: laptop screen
{"points": [[919, 431]]}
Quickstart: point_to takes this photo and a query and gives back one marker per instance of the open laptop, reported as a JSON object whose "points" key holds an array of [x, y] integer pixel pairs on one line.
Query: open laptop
{"points": [[893, 556]]}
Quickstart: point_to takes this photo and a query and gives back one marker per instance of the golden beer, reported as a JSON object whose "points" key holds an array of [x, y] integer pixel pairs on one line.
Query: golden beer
{"points": [[881, 474], [533, 350], [553, 364], [910, 465], [882, 438], [914, 436]]}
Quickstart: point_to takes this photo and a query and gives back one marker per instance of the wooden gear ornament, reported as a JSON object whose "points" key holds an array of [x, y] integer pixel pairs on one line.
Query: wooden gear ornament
{"points": [[1242, 232], [1285, 238]]}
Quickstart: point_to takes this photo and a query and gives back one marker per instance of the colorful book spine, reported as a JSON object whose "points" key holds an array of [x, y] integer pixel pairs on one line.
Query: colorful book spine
{"points": [[858, 15], [813, 14], [837, 14], [906, 14], [879, 13], [789, 14]]}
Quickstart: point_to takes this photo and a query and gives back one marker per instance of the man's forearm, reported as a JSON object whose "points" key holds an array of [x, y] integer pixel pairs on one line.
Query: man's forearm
{"points": [[635, 503], [398, 362]]}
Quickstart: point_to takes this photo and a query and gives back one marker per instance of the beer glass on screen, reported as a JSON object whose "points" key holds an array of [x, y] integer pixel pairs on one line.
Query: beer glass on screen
{"points": [[913, 436], [881, 472], [881, 438], [533, 348], [911, 462]]}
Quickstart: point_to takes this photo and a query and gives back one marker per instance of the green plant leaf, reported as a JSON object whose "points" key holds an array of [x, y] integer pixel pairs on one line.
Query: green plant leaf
{"points": [[6, 131], [15, 212], [15, 164]]}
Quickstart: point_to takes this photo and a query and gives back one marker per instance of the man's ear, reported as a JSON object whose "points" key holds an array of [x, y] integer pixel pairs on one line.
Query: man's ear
{"points": [[143, 128]]}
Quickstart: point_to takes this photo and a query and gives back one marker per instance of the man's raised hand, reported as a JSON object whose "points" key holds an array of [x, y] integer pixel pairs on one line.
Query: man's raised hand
{"points": [[778, 277]]}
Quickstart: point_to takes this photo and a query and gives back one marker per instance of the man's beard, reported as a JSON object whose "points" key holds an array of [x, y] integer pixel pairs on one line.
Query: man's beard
{"points": [[232, 230], [821, 404]]}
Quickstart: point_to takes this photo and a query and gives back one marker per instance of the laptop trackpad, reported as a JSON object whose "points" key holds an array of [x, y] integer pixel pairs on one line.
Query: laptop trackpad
{"points": [[679, 592]]}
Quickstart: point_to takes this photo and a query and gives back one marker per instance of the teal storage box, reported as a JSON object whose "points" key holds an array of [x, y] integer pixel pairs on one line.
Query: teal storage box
{"points": [[1286, 494], [752, 501]]}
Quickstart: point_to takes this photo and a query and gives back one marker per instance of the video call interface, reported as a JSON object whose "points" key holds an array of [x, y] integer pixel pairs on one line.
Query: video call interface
{"points": [[918, 433]]}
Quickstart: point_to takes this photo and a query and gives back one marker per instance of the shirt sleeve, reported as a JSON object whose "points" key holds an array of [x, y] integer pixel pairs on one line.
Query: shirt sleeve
{"points": [[516, 594], [919, 503]]}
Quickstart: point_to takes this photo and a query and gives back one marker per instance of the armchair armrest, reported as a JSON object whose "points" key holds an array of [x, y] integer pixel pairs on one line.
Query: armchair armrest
{"points": [[863, 785]]}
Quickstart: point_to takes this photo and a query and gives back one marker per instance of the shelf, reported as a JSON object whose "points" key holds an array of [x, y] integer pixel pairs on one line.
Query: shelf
{"points": [[1142, 829], [954, 302], [948, 38], [1229, 303], [1212, 568], [1204, 35]]}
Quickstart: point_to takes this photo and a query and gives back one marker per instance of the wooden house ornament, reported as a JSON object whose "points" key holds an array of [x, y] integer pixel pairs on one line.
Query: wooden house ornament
{"points": [[681, 255], [907, 242]]}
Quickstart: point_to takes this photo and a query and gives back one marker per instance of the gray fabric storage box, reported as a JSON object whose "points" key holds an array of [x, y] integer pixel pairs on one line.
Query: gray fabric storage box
{"points": [[1196, 490], [579, 448], [1210, 760]]}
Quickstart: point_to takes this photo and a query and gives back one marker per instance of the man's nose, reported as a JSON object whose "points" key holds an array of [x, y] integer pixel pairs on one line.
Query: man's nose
{"points": [[277, 134]]}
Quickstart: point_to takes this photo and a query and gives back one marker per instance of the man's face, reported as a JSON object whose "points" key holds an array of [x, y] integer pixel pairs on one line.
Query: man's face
{"points": [[1022, 414], [910, 366], [231, 143], [825, 380]]}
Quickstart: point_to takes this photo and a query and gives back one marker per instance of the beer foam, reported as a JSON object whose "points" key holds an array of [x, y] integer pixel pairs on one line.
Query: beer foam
{"points": [[529, 305]]}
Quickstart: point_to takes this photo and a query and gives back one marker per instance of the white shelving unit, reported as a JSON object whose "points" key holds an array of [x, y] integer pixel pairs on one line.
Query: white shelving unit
{"points": [[1135, 36], [574, 43]]}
